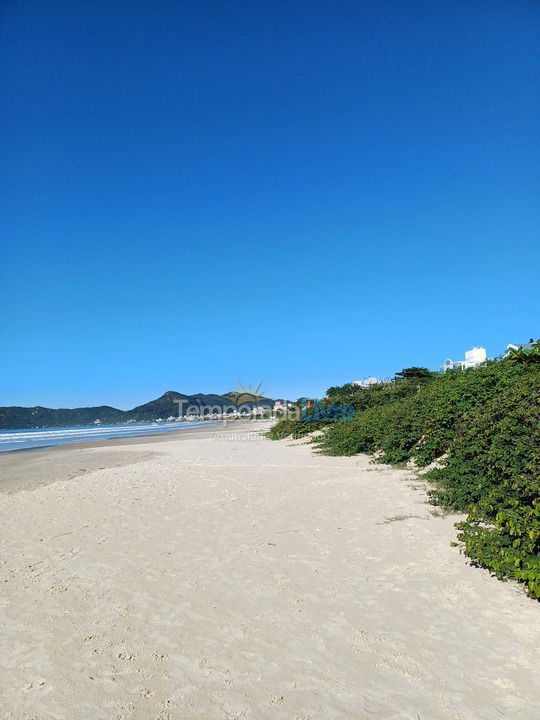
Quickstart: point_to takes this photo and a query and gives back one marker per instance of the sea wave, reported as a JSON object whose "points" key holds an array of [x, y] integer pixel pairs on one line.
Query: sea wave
{"points": [[41, 437]]}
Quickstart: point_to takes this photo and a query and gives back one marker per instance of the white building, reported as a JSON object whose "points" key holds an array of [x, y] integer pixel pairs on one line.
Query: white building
{"points": [[512, 347], [366, 382], [473, 357]]}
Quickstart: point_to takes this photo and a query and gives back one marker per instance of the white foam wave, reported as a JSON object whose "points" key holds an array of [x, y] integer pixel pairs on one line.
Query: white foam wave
{"points": [[59, 436]]}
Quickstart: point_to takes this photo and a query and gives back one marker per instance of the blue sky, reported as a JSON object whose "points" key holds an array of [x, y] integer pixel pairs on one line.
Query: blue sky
{"points": [[302, 193]]}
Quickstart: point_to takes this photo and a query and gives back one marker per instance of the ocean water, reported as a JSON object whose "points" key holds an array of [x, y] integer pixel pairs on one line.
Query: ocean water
{"points": [[11, 440]]}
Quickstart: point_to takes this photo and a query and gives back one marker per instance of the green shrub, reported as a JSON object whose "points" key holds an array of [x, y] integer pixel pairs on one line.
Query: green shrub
{"points": [[373, 396], [422, 423], [493, 472], [292, 428], [485, 422]]}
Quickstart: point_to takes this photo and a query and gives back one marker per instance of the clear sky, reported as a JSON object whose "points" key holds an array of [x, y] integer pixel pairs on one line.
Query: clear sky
{"points": [[302, 193]]}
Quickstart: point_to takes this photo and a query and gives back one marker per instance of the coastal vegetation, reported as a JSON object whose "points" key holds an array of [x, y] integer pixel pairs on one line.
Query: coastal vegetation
{"points": [[475, 431]]}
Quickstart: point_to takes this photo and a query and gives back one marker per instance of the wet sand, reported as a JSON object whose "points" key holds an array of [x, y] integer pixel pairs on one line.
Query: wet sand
{"points": [[32, 467]]}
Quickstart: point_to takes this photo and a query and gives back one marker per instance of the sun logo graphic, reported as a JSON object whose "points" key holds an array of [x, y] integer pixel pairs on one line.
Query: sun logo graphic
{"points": [[246, 394]]}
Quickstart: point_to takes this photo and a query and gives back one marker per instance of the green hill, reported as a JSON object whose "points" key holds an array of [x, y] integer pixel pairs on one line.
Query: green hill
{"points": [[14, 418]]}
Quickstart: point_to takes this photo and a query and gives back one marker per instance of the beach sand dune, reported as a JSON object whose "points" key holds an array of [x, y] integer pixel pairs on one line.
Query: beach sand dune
{"points": [[218, 575]]}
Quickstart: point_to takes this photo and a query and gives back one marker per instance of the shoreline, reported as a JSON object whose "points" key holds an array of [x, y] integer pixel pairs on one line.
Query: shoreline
{"points": [[24, 468], [148, 432]]}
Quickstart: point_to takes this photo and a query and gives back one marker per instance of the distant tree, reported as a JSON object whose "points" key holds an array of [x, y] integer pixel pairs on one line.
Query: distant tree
{"points": [[415, 373], [342, 393]]}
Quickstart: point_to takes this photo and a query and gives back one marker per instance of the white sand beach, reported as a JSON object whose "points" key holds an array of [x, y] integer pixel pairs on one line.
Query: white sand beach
{"points": [[217, 575]]}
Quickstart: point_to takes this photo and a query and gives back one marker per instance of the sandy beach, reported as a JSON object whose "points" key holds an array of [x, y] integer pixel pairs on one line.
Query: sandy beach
{"points": [[217, 575]]}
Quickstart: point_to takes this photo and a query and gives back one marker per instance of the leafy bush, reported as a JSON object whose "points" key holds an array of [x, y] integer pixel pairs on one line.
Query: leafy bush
{"points": [[372, 396], [493, 472], [485, 421], [346, 395], [292, 428], [422, 424]]}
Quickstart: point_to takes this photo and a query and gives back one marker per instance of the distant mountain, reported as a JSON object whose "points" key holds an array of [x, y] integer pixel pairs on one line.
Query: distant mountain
{"points": [[162, 407], [13, 418]]}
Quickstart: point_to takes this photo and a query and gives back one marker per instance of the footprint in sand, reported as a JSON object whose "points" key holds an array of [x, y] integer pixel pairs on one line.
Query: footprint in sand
{"points": [[126, 656]]}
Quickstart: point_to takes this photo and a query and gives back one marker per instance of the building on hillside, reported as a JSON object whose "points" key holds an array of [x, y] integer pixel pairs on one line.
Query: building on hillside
{"points": [[366, 382], [511, 347], [473, 357]]}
